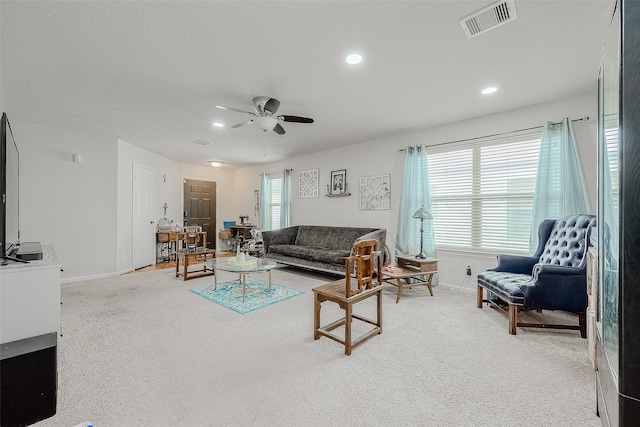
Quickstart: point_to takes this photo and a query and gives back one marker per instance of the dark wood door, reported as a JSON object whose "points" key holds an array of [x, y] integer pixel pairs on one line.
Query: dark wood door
{"points": [[199, 207]]}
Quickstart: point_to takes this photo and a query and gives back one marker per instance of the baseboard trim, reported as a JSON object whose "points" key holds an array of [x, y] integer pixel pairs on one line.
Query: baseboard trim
{"points": [[91, 277]]}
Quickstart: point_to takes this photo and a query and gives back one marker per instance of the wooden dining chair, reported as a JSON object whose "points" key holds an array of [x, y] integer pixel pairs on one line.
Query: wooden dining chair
{"points": [[365, 265]]}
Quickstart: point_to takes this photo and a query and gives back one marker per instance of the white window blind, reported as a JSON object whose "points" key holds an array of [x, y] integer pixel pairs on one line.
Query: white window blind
{"points": [[482, 192], [275, 200]]}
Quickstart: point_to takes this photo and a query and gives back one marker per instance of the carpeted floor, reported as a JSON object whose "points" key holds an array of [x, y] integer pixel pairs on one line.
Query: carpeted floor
{"points": [[141, 350]]}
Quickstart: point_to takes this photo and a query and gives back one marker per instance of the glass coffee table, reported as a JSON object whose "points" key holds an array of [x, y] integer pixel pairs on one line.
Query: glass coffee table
{"points": [[242, 268]]}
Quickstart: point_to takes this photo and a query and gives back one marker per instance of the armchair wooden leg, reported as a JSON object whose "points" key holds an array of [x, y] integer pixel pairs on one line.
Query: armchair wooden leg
{"points": [[583, 324], [379, 308], [347, 330], [480, 296], [513, 318]]}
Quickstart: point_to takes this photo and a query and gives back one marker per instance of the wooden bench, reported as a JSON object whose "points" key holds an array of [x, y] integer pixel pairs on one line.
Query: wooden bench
{"points": [[197, 257]]}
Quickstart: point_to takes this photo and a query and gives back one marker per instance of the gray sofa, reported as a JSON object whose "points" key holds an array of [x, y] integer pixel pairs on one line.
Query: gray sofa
{"points": [[315, 247]]}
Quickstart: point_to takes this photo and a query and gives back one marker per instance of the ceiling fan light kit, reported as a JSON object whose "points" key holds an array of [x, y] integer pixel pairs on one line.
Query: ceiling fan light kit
{"points": [[265, 107], [265, 123]]}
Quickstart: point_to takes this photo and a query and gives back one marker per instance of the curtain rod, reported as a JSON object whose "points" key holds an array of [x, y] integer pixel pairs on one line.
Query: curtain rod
{"points": [[581, 119], [269, 173]]}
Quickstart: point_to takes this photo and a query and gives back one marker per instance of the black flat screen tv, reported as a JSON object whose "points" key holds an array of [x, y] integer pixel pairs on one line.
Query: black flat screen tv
{"points": [[10, 187]]}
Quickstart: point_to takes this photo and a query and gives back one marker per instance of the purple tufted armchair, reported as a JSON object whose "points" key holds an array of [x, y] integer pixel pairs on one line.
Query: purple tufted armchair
{"points": [[554, 278]]}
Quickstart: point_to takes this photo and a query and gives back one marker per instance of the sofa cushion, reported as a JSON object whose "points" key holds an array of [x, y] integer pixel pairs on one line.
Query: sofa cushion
{"points": [[335, 238], [336, 256], [507, 285]]}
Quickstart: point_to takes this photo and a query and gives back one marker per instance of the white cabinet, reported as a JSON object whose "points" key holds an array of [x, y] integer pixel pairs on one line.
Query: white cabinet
{"points": [[30, 298]]}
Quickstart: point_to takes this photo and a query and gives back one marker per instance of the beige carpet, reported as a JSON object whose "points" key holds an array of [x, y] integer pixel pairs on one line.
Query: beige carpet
{"points": [[141, 350]]}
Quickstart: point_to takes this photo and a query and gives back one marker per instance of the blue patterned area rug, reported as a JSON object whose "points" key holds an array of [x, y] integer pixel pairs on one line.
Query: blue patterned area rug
{"points": [[257, 294]]}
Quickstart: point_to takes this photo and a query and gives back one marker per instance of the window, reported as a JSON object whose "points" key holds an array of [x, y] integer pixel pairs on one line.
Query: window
{"points": [[274, 201], [482, 193]]}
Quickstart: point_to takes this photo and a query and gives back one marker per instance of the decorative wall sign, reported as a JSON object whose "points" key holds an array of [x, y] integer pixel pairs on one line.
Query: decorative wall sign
{"points": [[308, 186], [375, 192]]}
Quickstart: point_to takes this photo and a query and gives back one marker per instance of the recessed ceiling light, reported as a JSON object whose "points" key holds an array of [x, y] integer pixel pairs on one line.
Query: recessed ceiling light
{"points": [[216, 164], [489, 90], [218, 124], [354, 58]]}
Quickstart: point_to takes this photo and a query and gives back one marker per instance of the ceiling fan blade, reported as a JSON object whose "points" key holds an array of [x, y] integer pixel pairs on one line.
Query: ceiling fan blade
{"points": [[296, 119], [272, 106], [236, 110], [246, 122], [279, 129]]}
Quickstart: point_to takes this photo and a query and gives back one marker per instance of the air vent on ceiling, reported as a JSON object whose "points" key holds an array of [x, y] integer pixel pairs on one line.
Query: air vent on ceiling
{"points": [[489, 18], [200, 142]]}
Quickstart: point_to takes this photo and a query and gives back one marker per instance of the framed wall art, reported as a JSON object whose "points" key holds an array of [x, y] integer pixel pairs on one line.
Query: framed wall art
{"points": [[308, 184], [375, 192], [338, 182]]}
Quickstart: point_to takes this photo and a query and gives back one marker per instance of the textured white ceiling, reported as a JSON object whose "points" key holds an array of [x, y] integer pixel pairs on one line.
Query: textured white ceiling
{"points": [[152, 72]]}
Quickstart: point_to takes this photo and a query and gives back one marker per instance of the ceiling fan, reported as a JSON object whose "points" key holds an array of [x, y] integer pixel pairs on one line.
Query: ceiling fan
{"points": [[264, 117]]}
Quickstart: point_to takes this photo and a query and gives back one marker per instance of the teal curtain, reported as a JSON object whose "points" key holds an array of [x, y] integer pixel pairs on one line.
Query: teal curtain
{"points": [[561, 188], [285, 202], [264, 203], [415, 194]]}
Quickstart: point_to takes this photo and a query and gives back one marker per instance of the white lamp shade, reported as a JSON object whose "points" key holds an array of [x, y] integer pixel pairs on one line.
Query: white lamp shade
{"points": [[265, 123]]}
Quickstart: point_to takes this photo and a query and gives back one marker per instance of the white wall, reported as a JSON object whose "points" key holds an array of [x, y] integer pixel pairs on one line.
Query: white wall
{"points": [[71, 206], [381, 156]]}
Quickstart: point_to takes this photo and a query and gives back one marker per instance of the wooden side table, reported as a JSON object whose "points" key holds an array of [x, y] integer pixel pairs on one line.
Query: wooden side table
{"points": [[415, 272], [199, 256]]}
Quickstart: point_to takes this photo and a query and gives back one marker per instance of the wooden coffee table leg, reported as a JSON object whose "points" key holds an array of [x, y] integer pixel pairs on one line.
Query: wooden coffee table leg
{"points": [[177, 266], [316, 316], [429, 284], [400, 286]]}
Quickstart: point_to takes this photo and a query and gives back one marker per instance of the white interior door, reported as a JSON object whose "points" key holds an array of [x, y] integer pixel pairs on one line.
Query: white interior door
{"points": [[143, 220]]}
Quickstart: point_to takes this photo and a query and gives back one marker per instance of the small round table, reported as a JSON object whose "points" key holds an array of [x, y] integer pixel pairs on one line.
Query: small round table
{"points": [[223, 264]]}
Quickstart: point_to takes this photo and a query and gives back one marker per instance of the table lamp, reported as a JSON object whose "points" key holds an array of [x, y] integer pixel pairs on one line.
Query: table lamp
{"points": [[422, 214]]}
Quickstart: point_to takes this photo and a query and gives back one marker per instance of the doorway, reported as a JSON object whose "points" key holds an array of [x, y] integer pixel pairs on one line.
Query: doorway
{"points": [[143, 221], [199, 207]]}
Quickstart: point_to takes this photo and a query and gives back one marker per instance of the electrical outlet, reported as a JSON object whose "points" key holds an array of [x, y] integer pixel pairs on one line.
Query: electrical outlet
{"points": [[468, 270]]}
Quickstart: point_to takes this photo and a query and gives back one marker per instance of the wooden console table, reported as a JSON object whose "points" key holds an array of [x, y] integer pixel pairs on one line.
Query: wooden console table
{"points": [[165, 245], [415, 272]]}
